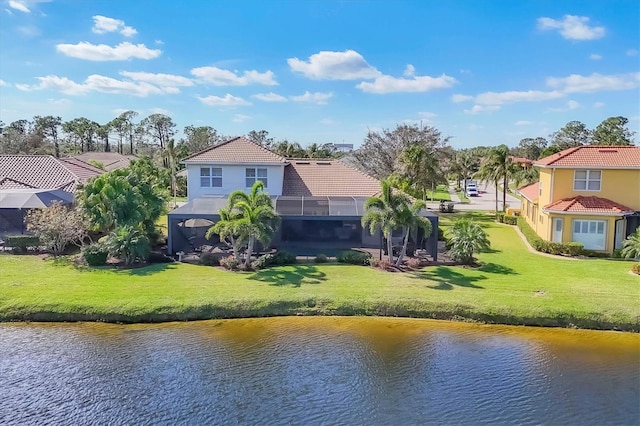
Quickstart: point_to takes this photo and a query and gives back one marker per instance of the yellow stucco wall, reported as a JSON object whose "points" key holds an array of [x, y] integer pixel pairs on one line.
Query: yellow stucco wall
{"points": [[621, 186], [567, 229]]}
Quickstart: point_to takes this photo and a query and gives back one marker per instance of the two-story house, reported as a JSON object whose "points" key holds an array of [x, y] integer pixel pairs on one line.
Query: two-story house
{"points": [[586, 194], [320, 202]]}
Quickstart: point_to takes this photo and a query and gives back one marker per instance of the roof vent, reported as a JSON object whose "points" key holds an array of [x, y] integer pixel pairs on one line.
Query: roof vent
{"points": [[302, 162], [323, 163], [608, 150]]}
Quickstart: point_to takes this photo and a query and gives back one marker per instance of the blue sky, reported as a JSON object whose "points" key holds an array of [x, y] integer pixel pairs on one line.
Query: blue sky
{"points": [[482, 72]]}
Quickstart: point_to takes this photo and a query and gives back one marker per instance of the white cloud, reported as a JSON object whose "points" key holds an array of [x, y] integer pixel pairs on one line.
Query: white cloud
{"points": [[159, 111], [103, 24], [427, 114], [598, 104], [595, 82], [240, 118], [632, 52], [509, 97], [328, 65], [387, 84], [103, 52], [481, 108], [159, 42], [270, 97], [524, 123], [595, 57], [19, 5], [227, 101], [97, 83], [61, 101], [163, 80], [119, 111], [220, 77], [570, 106], [573, 105], [572, 27], [4, 83], [29, 30], [461, 98], [465, 71], [315, 98], [410, 71]]}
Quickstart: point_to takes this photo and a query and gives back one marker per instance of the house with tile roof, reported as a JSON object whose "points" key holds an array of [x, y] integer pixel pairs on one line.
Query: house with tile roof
{"points": [[320, 201], [23, 178], [109, 160], [586, 194]]}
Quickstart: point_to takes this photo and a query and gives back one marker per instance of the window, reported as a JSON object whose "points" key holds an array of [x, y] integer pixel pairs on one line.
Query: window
{"points": [[591, 233], [211, 177], [587, 180], [253, 174]]}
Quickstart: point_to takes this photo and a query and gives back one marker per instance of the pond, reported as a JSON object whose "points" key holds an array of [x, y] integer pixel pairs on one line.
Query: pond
{"points": [[316, 370]]}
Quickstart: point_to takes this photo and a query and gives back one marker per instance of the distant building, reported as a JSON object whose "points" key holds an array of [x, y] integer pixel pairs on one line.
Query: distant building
{"points": [[343, 147]]}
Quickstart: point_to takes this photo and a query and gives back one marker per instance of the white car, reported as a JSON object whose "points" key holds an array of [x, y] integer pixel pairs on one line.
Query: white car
{"points": [[472, 191]]}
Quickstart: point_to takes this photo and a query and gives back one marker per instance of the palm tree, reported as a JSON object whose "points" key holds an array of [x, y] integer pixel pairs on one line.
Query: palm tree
{"points": [[420, 167], [226, 228], [498, 166], [467, 238], [411, 221], [384, 213], [256, 217], [631, 246]]}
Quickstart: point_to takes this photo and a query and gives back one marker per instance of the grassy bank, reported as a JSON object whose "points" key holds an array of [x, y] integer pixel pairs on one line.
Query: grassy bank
{"points": [[513, 287]]}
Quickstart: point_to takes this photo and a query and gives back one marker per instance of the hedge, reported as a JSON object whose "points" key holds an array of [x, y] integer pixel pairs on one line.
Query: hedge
{"points": [[567, 249]]}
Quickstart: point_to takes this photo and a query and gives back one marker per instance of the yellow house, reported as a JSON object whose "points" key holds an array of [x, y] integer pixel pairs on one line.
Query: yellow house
{"points": [[586, 194]]}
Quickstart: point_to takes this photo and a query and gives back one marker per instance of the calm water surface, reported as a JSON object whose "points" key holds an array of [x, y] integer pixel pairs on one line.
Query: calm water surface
{"points": [[311, 370]]}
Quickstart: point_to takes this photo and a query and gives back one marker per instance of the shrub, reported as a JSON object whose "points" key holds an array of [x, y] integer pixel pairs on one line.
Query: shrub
{"points": [[500, 217], [262, 262], [159, 257], [209, 259], [95, 254], [413, 263], [467, 238], [353, 257], [22, 243], [385, 265], [283, 257], [573, 249], [229, 263], [636, 268], [128, 243], [555, 248], [510, 220], [441, 236], [57, 226], [321, 258]]}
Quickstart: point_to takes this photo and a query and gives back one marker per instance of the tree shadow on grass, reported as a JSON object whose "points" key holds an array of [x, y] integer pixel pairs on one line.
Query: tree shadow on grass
{"points": [[494, 268], [446, 278], [293, 276]]}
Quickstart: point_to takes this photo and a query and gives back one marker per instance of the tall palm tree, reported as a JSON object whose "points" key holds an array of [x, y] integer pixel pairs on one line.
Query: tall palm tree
{"points": [[411, 221], [226, 228], [257, 218], [420, 166], [498, 166], [384, 213]]}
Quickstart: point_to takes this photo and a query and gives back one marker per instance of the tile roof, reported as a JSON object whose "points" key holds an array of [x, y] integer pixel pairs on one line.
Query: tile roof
{"points": [[307, 177], [110, 160], [586, 205], [520, 160], [43, 172], [236, 150], [594, 156], [530, 192]]}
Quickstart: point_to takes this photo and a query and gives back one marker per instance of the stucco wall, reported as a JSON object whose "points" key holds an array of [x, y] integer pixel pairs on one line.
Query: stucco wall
{"points": [[621, 186], [233, 178]]}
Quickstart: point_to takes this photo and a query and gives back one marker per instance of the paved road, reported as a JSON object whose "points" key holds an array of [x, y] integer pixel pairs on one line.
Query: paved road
{"points": [[486, 200]]}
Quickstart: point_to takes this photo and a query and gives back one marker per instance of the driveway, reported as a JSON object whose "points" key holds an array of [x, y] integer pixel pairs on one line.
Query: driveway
{"points": [[486, 199]]}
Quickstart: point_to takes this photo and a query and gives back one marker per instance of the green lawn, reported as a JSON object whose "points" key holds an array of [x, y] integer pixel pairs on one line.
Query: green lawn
{"points": [[514, 286]]}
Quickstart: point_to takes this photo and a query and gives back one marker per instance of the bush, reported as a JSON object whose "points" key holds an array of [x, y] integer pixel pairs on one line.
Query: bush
{"points": [[510, 220], [262, 262], [500, 217], [95, 254], [209, 259], [22, 243], [441, 236], [159, 257], [574, 249], [321, 258], [128, 243], [413, 263], [636, 268], [282, 258], [353, 257], [229, 263]]}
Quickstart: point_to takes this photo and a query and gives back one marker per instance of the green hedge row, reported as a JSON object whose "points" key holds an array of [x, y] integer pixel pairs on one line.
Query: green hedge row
{"points": [[568, 249], [509, 220], [22, 243]]}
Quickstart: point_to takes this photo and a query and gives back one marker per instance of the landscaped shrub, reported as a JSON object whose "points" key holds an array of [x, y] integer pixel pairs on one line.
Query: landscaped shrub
{"points": [[569, 249], [229, 263], [500, 217], [574, 249], [413, 263], [209, 259], [510, 220], [636, 268], [353, 257], [95, 254], [555, 248], [598, 254], [321, 258], [159, 257], [22, 243], [441, 236], [283, 257]]}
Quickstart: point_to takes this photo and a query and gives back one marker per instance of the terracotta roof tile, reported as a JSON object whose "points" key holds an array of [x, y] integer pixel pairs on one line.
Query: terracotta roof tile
{"points": [[586, 205], [44, 171], [237, 150], [594, 157], [530, 192], [110, 160], [327, 178]]}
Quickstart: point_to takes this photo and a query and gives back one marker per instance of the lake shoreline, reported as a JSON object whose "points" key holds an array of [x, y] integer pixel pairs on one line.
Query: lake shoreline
{"points": [[219, 313]]}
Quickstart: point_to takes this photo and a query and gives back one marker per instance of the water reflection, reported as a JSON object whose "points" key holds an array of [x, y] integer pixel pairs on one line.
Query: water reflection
{"points": [[316, 371]]}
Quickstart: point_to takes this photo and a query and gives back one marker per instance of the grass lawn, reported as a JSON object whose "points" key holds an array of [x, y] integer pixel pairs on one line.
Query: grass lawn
{"points": [[463, 198], [513, 287]]}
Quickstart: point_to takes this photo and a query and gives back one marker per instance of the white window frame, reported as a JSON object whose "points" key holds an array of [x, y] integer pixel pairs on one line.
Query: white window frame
{"points": [[590, 227], [257, 172], [588, 179], [212, 178]]}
